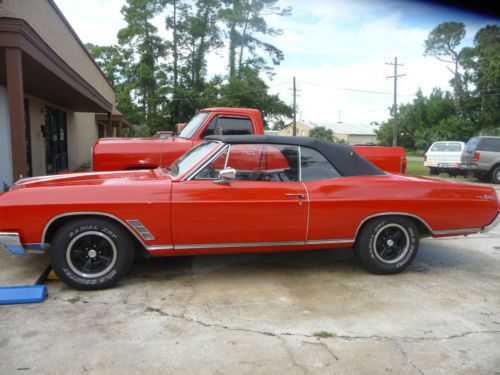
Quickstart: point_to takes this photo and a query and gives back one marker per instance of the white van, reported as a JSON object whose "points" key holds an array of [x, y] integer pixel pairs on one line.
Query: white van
{"points": [[444, 157]]}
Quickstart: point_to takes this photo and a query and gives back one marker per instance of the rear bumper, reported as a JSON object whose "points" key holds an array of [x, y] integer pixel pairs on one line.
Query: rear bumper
{"points": [[493, 224], [11, 242]]}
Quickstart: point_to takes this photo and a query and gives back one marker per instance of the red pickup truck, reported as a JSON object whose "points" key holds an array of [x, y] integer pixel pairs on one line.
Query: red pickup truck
{"points": [[110, 154]]}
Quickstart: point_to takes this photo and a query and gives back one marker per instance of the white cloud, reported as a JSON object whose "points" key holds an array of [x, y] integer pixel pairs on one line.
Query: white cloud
{"points": [[333, 43]]}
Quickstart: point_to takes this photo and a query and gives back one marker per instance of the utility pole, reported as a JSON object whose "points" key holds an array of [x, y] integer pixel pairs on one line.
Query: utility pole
{"points": [[294, 108], [395, 108]]}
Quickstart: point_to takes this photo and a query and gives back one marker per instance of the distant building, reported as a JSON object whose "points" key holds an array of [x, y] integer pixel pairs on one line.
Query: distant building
{"points": [[54, 100], [303, 129], [354, 133], [271, 132]]}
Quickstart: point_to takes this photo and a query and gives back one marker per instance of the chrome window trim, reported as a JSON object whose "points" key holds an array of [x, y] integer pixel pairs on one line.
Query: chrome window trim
{"points": [[190, 175], [308, 210], [300, 166]]}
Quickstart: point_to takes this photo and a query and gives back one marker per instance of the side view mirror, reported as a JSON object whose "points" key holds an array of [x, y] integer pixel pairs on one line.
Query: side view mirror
{"points": [[226, 175]]}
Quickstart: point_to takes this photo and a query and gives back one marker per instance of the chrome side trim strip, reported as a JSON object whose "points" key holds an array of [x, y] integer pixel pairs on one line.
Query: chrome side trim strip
{"points": [[94, 213], [325, 242], [392, 214], [159, 247], [238, 244], [493, 224], [141, 229], [457, 231], [250, 244]]}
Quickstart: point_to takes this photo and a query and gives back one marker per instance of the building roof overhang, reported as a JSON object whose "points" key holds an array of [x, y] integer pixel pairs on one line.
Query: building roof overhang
{"points": [[45, 74]]}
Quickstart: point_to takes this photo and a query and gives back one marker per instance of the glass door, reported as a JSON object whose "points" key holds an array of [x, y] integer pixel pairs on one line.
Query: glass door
{"points": [[56, 149]]}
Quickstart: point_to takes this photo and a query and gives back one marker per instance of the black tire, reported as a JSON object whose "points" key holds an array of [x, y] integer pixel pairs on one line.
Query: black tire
{"points": [[495, 175], [91, 253], [434, 171], [382, 250]]}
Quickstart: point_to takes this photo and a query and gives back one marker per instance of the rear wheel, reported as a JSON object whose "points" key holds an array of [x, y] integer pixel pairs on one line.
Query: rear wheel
{"points": [[387, 245], [91, 253], [495, 175]]}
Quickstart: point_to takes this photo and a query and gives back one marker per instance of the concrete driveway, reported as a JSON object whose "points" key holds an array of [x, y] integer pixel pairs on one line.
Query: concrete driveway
{"points": [[308, 312]]}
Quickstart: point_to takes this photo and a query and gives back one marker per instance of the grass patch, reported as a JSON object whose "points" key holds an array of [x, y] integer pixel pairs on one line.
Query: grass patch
{"points": [[416, 167], [322, 334]]}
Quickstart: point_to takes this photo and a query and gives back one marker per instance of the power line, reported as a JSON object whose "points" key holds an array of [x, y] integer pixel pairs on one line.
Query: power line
{"points": [[352, 89], [395, 76]]}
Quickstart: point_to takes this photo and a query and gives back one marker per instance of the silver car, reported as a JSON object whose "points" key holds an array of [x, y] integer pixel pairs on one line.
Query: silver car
{"points": [[481, 157]]}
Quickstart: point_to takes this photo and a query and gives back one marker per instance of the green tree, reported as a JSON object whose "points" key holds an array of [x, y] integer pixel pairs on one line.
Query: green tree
{"points": [[442, 43], [482, 70], [141, 41], [245, 22], [320, 132]]}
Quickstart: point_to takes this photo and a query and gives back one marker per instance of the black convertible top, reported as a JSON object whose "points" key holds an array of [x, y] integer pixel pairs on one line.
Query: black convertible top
{"points": [[342, 157]]}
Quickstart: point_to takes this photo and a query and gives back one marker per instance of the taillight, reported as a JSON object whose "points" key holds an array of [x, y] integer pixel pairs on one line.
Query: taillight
{"points": [[403, 164], [476, 156], [425, 157]]}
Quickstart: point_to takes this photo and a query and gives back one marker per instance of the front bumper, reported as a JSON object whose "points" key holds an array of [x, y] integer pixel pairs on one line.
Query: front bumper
{"points": [[11, 242], [493, 224]]}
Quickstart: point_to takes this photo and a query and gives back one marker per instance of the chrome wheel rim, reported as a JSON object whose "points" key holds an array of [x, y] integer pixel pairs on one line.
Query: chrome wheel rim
{"points": [[91, 254], [391, 243]]}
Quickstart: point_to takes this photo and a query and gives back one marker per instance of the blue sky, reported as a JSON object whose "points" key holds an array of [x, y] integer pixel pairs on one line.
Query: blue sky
{"points": [[328, 45]]}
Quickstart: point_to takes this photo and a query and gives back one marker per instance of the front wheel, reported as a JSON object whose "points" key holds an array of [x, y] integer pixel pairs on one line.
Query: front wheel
{"points": [[387, 245], [91, 253]]}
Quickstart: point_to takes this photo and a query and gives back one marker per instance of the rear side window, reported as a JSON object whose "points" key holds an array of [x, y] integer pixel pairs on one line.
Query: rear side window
{"points": [[489, 144], [447, 147], [315, 167], [228, 126], [471, 144]]}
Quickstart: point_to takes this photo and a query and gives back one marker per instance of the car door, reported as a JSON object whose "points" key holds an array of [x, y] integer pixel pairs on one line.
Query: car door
{"points": [[265, 205]]}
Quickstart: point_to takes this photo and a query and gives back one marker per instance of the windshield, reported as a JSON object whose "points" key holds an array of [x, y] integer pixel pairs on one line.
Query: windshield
{"points": [[447, 147], [193, 125], [191, 158]]}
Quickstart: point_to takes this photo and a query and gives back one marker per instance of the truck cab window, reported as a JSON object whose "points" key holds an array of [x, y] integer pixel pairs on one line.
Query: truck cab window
{"points": [[228, 126]]}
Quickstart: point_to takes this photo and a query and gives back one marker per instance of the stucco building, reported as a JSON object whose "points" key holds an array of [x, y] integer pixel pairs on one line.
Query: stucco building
{"points": [[303, 129], [54, 100], [353, 134]]}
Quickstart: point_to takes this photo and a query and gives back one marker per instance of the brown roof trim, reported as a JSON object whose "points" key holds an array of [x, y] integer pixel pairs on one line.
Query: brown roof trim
{"points": [[103, 119], [17, 33], [75, 35]]}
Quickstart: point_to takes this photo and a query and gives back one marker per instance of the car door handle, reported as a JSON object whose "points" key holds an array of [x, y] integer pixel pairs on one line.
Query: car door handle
{"points": [[298, 195]]}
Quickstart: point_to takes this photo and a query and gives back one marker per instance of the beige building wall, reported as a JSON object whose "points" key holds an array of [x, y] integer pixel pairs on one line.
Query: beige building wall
{"points": [[82, 133], [353, 139], [37, 118], [43, 18], [302, 130]]}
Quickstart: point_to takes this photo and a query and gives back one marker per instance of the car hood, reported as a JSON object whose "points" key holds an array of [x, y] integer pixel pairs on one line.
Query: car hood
{"points": [[85, 178]]}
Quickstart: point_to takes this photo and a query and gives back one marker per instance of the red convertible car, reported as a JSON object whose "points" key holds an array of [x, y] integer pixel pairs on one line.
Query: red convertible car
{"points": [[237, 194]]}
